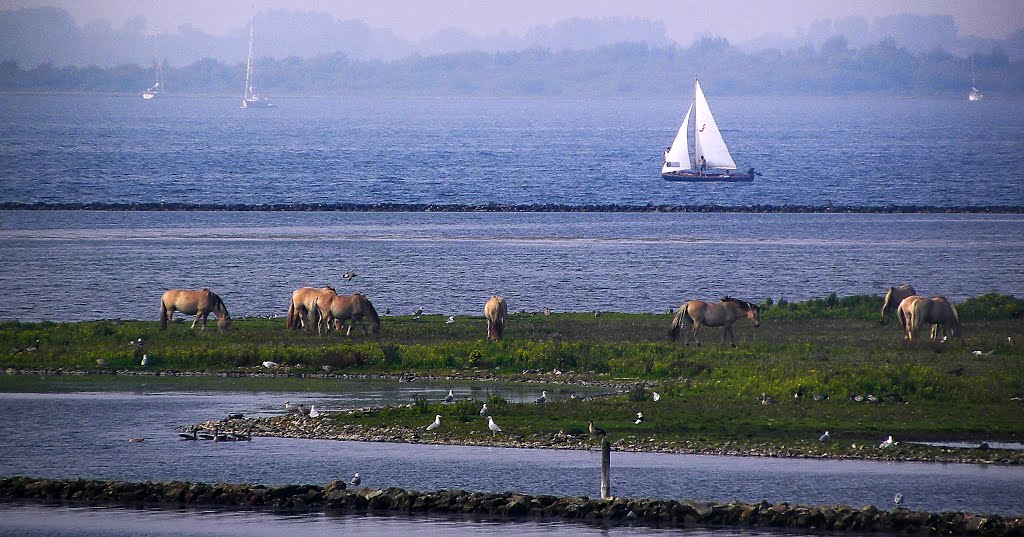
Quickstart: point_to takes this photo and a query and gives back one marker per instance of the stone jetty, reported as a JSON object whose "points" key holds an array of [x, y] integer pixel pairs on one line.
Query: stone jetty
{"points": [[335, 497]]}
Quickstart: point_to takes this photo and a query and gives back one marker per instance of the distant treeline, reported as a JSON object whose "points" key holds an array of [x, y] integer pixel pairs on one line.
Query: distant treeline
{"points": [[627, 69]]}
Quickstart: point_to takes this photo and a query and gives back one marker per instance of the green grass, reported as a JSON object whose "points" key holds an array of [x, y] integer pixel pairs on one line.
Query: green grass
{"points": [[835, 346]]}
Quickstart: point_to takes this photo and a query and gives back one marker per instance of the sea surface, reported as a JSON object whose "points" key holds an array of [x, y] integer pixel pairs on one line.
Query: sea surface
{"points": [[866, 150]]}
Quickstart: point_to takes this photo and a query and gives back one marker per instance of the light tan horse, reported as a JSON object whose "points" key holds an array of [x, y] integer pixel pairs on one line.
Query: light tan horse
{"points": [[696, 313], [894, 296], [302, 304], [917, 311], [199, 303], [333, 308], [496, 312]]}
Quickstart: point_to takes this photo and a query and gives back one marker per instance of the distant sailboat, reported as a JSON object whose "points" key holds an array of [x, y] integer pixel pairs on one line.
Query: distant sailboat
{"points": [[975, 94], [153, 91], [709, 149], [251, 98]]}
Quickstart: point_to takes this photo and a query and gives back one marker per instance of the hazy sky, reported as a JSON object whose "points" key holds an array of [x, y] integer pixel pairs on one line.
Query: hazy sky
{"points": [[737, 20]]}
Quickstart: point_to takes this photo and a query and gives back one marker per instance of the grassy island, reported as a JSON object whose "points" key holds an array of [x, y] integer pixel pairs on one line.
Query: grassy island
{"points": [[824, 364]]}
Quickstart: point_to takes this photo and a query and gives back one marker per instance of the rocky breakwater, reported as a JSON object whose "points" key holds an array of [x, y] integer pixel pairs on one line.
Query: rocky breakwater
{"points": [[662, 513]]}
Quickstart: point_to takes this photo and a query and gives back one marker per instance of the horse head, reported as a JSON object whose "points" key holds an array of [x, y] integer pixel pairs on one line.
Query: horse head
{"points": [[223, 317], [754, 314]]}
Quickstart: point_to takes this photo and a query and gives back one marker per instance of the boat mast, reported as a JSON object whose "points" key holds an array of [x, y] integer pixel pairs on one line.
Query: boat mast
{"points": [[248, 64]]}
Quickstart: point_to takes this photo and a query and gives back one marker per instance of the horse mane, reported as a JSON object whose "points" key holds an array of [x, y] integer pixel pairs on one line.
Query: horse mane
{"points": [[218, 303], [745, 305]]}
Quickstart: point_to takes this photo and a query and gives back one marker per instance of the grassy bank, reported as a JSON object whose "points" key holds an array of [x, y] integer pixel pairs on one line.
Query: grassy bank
{"points": [[832, 346]]}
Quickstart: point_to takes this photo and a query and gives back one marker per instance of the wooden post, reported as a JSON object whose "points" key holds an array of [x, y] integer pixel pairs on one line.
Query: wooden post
{"points": [[606, 458]]}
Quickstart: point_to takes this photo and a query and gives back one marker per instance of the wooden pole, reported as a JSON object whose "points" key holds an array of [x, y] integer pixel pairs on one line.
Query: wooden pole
{"points": [[606, 464]]}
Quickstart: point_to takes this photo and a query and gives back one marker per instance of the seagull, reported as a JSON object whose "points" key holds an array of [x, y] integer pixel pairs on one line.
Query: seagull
{"points": [[387, 311], [547, 312], [145, 360], [493, 426], [977, 353], [327, 368], [418, 312], [639, 418], [290, 408], [137, 439], [888, 443], [436, 424], [595, 431], [313, 413], [656, 396], [543, 397], [269, 365], [898, 499], [349, 275], [356, 480], [484, 411], [597, 313], [451, 320], [450, 397], [825, 437]]}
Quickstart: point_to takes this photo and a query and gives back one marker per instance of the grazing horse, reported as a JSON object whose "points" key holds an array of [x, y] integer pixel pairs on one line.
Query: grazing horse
{"points": [[331, 308], [301, 305], [894, 296], [695, 313], [496, 312], [917, 311], [199, 303]]}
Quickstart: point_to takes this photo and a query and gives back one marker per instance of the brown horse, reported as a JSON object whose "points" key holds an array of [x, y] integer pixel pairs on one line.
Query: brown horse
{"points": [[301, 305], [695, 313], [894, 296], [917, 311], [199, 303], [496, 312], [331, 308]]}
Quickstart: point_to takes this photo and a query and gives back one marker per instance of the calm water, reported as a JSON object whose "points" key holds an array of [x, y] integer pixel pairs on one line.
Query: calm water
{"points": [[66, 435], [812, 150], [116, 264]]}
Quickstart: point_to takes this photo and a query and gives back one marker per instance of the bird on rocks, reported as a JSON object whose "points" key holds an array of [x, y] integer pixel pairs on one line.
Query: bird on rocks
{"points": [[451, 320], [543, 397], [269, 365], [484, 411], [349, 275], [450, 397], [493, 426], [656, 396], [887, 443], [436, 424], [313, 412], [291, 408], [898, 499], [639, 418], [145, 360], [595, 431], [825, 437], [356, 480], [188, 436]]}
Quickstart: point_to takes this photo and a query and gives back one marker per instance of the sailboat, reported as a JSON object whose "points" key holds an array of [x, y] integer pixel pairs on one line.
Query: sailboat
{"points": [[711, 158], [975, 94], [251, 98], [155, 89]]}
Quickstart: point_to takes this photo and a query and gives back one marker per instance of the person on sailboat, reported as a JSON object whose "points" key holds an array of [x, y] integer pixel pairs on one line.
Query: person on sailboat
{"points": [[703, 164]]}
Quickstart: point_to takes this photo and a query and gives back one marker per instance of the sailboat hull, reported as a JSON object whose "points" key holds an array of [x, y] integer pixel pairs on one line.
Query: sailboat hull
{"points": [[695, 177]]}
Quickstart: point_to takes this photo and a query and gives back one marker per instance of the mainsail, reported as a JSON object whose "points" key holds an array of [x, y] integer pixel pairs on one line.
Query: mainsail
{"points": [[678, 155], [707, 140]]}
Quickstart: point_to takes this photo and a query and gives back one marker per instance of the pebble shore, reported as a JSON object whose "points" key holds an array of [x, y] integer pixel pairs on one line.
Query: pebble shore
{"points": [[335, 497]]}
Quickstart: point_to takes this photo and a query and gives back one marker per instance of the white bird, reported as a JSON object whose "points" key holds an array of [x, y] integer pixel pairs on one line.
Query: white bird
{"points": [[484, 411], [451, 320], [898, 499], [327, 368], [356, 480], [290, 408], [656, 396], [145, 360], [887, 443], [825, 437], [493, 426], [543, 397], [269, 365], [977, 353], [450, 397], [313, 412], [639, 418], [436, 424]]}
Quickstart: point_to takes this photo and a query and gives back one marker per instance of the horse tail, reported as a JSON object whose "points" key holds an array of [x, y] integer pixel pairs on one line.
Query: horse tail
{"points": [[291, 314], [502, 318], [677, 323], [956, 323], [163, 314], [903, 318], [314, 313]]}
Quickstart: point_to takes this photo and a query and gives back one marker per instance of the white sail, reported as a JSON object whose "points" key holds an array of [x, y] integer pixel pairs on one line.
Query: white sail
{"points": [[707, 140], [677, 158]]}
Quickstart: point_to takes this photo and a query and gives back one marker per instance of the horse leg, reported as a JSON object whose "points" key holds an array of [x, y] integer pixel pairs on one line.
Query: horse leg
{"points": [[696, 327], [198, 315]]}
